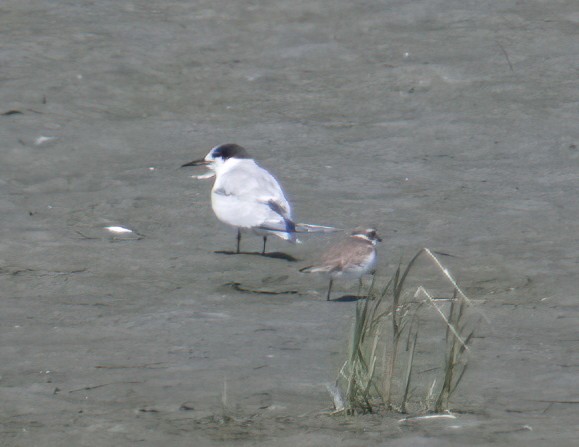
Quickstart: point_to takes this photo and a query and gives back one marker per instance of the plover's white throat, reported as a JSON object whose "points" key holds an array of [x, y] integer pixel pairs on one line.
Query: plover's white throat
{"points": [[248, 197], [350, 258]]}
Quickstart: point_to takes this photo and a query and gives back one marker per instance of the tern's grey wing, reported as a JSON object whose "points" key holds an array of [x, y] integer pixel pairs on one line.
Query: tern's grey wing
{"points": [[251, 183], [248, 196]]}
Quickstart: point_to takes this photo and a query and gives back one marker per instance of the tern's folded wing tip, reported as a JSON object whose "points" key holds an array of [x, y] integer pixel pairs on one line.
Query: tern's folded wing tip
{"points": [[310, 228]]}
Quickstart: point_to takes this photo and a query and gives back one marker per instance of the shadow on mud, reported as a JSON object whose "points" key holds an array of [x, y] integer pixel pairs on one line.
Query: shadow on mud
{"points": [[272, 255]]}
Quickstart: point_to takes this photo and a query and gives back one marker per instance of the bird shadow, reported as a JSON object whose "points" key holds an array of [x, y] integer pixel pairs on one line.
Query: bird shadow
{"points": [[241, 288], [348, 298], [272, 255]]}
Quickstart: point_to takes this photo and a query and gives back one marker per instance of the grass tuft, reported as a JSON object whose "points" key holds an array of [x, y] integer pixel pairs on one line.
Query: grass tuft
{"points": [[392, 364]]}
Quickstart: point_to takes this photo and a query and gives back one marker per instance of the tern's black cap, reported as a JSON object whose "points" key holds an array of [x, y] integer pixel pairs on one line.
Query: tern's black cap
{"points": [[229, 150]]}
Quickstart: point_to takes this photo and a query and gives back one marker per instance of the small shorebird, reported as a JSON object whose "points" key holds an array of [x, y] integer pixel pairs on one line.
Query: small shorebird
{"points": [[248, 197], [351, 258]]}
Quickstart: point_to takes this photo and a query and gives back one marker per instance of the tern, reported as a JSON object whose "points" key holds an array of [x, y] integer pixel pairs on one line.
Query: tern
{"points": [[247, 197], [350, 258]]}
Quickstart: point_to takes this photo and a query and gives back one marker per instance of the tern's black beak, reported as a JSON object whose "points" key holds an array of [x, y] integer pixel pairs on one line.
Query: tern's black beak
{"points": [[201, 162]]}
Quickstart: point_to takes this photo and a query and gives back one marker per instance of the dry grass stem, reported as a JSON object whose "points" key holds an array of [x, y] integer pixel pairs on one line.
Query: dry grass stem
{"points": [[400, 356]]}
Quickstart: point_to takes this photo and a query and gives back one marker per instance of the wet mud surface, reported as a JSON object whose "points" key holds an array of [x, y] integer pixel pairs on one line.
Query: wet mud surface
{"points": [[449, 124]]}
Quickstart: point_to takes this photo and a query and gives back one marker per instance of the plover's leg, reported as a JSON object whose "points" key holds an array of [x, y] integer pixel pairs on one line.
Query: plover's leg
{"points": [[329, 290], [238, 239], [264, 241], [360, 284]]}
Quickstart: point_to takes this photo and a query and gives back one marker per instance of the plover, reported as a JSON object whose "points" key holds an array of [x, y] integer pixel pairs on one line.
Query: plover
{"points": [[248, 197], [350, 258]]}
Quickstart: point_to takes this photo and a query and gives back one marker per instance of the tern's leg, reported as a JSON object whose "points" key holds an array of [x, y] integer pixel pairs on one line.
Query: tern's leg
{"points": [[238, 239], [264, 241], [329, 290]]}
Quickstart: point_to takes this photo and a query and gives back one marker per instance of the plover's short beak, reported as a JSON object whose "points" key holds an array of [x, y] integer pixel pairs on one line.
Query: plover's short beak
{"points": [[379, 239], [201, 162]]}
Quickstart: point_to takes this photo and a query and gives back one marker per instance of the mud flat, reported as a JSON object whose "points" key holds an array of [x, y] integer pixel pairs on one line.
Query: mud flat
{"points": [[447, 124]]}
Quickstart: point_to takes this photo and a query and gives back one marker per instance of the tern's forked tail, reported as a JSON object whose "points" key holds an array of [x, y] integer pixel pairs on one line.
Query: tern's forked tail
{"points": [[309, 228]]}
